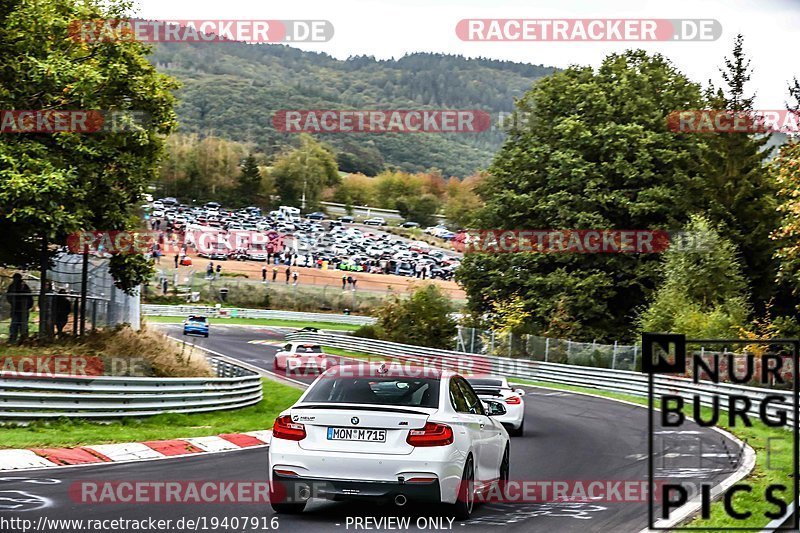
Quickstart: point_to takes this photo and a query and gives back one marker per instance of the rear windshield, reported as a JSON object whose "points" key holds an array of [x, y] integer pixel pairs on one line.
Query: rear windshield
{"points": [[309, 348], [403, 391], [197, 319]]}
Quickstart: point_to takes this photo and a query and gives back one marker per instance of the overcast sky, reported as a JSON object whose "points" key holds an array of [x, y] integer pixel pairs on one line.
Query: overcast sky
{"points": [[392, 28]]}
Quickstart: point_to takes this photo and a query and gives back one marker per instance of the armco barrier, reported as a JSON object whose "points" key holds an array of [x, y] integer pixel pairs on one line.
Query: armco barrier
{"points": [[29, 396], [235, 312], [622, 381]]}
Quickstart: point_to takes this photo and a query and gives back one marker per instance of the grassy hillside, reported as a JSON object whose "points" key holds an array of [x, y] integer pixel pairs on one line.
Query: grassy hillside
{"points": [[233, 89]]}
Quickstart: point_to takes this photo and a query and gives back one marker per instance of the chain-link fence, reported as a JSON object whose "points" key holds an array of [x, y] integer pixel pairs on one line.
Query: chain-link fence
{"points": [[616, 356], [593, 354], [181, 286], [21, 310]]}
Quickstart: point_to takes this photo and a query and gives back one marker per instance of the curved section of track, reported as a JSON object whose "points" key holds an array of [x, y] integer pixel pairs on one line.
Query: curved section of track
{"points": [[568, 437]]}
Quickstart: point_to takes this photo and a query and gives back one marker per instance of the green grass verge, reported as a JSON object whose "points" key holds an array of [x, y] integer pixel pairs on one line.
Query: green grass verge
{"points": [[772, 467], [66, 432], [257, 322], [353, 354]]}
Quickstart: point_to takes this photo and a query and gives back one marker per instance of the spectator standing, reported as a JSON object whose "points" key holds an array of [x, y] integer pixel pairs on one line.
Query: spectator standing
{"points": [[344, 282], [20, 299], [177, 258], [164, 285], [219, 270], [354, 283], [62, 311], [294, 277], [274, 274], [288, 273], [264, 274], [210, 270]]}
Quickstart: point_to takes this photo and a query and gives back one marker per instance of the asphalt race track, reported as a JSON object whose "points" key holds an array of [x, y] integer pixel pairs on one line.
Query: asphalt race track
{"points": [[568, 437]]}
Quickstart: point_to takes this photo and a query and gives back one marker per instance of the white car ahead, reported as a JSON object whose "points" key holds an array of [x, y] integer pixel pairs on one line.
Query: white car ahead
{"points": [[498, 389], [374, 432], [302, 357]]}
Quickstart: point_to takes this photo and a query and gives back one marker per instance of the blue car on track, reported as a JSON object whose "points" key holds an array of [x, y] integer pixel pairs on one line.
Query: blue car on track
{"points": [[195, 325]]}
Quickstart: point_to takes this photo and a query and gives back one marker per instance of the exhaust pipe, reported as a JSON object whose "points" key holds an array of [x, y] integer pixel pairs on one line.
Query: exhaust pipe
{"points": [[400, 500], [304, 492]]}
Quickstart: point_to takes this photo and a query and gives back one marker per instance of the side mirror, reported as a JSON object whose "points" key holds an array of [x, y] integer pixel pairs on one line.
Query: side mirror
{"points": [[519, 392], [495, 408]]}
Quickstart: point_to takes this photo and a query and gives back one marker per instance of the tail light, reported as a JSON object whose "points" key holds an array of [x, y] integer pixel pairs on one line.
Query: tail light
{"points": [[284, 428], [432, 434], [513, 400]]}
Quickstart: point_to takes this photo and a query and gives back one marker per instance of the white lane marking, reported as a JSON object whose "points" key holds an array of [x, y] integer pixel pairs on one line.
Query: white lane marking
{"points": [[20, 459], [212, 444], [128, 451], [511, 514]]}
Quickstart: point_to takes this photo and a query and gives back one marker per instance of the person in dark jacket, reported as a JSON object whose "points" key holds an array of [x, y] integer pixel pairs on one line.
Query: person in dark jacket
{"points": [[20, 300], [62, 310]]}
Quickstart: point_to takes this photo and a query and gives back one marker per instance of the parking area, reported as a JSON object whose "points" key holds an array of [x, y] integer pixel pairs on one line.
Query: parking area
{"points": [[321, 251]]}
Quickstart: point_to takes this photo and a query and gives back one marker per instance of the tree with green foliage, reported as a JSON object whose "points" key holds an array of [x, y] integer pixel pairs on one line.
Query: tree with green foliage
{"points": [[249, 180], [419, 209], [704, 293], [744, 206], [593, 153], [422, 319], [301, 173], [54, 184]]}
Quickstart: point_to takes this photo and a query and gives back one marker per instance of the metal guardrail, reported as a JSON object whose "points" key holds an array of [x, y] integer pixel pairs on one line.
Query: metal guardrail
{"points": [[621, 381], [30, 396], [236, 312]]}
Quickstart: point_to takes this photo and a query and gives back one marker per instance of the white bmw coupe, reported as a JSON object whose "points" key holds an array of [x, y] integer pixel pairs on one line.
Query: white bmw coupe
{"points": [[383, 433]]}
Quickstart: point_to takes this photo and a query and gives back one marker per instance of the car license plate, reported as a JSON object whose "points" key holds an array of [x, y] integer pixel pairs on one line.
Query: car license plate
{"points": [[357, 434]]}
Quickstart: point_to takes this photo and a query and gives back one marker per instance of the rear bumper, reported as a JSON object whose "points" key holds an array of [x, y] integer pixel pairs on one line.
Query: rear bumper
{"points": [[375, 476], [513, 417], [286, 489]]}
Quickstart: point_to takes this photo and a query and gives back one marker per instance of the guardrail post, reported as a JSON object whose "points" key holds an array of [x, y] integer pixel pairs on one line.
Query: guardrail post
{"points": [[472, 342]]}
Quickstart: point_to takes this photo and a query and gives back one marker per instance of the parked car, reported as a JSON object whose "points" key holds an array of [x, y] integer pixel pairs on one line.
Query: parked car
{"points": [[195, 325], [409, 224], [375, 221], [367, 432], [317, 215], [347, 219], [498, 389]]}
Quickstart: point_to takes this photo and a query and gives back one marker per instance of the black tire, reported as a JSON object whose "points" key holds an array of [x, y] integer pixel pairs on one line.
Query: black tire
{"points": [[288, 508], [184, 332], [505, 469], [465, 503], [520, 431], [206, 335]]}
